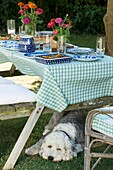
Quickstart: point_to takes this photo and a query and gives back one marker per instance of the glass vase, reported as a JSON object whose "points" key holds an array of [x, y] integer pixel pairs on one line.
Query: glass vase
{"points": [[30, 29], [62, 44]]}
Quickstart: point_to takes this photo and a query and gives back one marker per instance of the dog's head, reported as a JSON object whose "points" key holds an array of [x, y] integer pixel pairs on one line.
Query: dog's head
{"points": [[57, 146]]}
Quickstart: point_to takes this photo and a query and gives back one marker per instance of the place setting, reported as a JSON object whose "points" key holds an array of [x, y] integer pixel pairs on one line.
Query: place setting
{"points": [[89, 54], [10, 40], [43, 48]]}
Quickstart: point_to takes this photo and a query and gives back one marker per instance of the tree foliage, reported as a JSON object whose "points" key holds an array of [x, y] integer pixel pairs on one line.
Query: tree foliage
{"points": [[87, 15]]}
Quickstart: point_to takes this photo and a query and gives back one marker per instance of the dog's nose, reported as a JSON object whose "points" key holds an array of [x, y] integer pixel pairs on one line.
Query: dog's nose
{"points": [[50, 158]]}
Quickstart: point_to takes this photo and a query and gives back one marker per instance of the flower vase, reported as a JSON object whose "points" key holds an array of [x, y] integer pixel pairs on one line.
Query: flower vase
{"points": [[30, 29], [62, 44]]}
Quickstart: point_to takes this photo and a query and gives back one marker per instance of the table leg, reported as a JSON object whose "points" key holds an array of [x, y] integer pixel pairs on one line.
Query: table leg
{"points": [[12, 70], [32, 120]]}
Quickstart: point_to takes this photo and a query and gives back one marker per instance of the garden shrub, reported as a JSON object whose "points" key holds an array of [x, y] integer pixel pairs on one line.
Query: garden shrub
{"points": [[87, 15]]}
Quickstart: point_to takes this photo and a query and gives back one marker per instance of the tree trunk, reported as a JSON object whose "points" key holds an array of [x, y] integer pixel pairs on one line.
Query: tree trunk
{"points": [[108, 22]]}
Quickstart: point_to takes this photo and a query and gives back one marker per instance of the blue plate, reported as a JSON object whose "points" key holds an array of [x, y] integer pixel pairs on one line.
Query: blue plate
{"points": [[80, 50], [3, 42], [87, 57], [11, 45], [46, 32], [34, 53]]}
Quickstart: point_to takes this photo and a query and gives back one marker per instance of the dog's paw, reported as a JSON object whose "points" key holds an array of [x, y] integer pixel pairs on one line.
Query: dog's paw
{"points": [[33, 150], [30, 152], [46, 131]]}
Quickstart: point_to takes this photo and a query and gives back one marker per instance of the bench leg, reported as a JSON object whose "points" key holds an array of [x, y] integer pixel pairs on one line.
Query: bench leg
{"points": [[32, 120]]}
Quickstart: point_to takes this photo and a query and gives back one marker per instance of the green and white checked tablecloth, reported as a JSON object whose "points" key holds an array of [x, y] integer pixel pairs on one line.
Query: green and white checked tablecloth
{"points": [[67, 83], [3, 58]]}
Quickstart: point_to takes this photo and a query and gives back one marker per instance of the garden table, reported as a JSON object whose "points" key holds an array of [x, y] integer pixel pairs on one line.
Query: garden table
{"points": [[62, 85]]}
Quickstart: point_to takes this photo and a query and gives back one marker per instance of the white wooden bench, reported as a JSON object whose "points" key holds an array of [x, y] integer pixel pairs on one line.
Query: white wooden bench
{"points": [[12, 96]]}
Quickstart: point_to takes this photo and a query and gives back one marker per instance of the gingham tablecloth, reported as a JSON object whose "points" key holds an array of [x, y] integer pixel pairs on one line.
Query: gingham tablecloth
{"points": [[67, 83], [3, 58]]}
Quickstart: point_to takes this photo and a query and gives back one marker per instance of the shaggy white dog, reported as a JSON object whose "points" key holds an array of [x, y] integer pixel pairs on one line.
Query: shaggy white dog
{"points": [[64, 141]]}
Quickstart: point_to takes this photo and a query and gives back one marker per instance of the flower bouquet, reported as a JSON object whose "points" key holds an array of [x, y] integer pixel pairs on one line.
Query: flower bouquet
{"points": [[30, 16], [61, 30], [60, 27]]}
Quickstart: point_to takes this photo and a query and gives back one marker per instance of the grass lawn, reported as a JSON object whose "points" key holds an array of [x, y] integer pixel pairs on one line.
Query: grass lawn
{"points": [[10, 129], [84, 40]]}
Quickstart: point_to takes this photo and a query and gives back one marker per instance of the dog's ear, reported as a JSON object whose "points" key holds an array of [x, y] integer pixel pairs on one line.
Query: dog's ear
{"points": [[41, 148]]}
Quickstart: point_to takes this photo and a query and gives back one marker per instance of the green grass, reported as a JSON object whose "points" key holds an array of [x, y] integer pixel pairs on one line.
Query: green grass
{"points": [[10, 130], [84, 40]]}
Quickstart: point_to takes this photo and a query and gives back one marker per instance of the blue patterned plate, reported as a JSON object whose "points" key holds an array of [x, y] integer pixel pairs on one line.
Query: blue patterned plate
{"points": [[53, 59], [3, 42], [80, 50], [87, 57], [11, 45], [34, 53]]}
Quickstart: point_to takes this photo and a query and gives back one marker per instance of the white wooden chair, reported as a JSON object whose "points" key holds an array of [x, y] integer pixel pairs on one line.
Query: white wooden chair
{"points": [[98, 129]]}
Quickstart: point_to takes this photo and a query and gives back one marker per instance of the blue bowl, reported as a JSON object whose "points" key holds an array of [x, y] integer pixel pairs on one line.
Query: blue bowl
{"points": [[26, 44]]}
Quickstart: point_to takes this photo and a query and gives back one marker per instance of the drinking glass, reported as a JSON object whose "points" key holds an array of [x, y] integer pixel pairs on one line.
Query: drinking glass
{"points": [[22, 30], [47, 43], [38, 40], [100, 45], [62, 44], [11, 26]]}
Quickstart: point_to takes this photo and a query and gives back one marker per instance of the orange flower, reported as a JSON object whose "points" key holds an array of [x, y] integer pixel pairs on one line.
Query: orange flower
{"points": [[52, 20], [21, 4], [30, 2], [32, 5], [30, 15], [55, 31]]}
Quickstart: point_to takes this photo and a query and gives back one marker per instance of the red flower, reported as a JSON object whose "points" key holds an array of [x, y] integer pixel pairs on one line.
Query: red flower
{"points": [[50, 24], [39, 11], [60, 26], [25, 6]]}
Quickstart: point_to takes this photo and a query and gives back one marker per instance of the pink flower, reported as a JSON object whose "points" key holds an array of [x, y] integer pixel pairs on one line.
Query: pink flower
{"points": [[55, 32], [21, 11], [39, 11], [58, 20], [60, 26], [26, 21], [65, 25], [50, 24]]}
